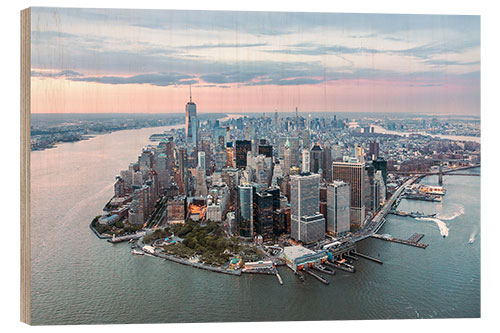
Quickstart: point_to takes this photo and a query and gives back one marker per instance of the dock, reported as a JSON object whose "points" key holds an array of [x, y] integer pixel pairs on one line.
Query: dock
{"points": [[416, 237], [349, 256], [300, 276], [320, 278], [361, 255], [409, 242], [342, 267], [323, 270], [119, 239], [278, 276]]}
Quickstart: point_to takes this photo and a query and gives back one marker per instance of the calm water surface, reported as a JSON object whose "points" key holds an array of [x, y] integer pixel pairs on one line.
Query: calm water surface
{"points": [[79, 279]]}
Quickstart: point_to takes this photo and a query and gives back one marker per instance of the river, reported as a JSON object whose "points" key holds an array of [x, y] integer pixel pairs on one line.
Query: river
{"points": [[80, 279], [381, 130]]}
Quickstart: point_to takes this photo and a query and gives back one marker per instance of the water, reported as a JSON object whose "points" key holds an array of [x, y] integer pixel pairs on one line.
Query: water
{"points": [[380, 129], [79, 279]]}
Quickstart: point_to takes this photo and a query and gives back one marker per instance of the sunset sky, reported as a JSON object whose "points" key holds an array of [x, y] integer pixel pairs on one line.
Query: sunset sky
{"points": [[95, 60]]}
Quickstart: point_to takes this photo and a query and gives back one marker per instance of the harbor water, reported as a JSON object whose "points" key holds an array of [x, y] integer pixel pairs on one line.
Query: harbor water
{"points": [[80, 279]]}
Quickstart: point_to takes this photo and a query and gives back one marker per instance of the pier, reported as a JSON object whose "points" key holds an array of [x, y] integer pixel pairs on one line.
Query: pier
{"points": [[323, 270], [340, 266], [361, 255], [416, 237], [349, 256], [409, 242], [320, 278], [278, 276], [119, 239]]}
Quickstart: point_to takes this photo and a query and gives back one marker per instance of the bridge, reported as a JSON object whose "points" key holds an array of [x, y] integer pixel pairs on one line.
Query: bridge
{"points": [[449, 172]]}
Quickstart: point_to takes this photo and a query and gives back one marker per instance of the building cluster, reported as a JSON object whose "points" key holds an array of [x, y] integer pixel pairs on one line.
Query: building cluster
{"points": [[261, 177]]}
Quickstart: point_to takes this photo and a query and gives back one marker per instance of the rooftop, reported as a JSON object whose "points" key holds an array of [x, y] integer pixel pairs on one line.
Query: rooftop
{"points": [[294, 252]]}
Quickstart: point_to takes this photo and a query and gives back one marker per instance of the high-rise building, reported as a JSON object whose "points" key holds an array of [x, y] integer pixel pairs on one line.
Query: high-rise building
{"points": [[242, 148], [306, 161], [266, 150], [183, 171], [294, 144], [191, 121], [353, 173], [306, 139], [245, 208], [373, 150], [287, 161], [381, 186], [201, 184], [202, 160], [229, 154], [307, 224], [381, 164], [359, 153], [338, 208], [263, 214], [327, 162], [316, 159]]}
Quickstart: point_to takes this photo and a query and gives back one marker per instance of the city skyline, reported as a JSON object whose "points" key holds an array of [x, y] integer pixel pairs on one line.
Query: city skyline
{"points": [[246, 62]]}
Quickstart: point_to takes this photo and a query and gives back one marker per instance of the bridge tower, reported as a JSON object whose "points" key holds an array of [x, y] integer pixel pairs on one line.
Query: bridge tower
{"points": [[440, 180]]}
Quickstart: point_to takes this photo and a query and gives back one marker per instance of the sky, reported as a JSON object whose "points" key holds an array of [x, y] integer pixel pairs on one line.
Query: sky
{"points": [[144, 61]]}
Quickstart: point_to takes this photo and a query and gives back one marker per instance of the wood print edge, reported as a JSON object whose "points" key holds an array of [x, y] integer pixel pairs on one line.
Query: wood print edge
{"points": [[25, 313]]}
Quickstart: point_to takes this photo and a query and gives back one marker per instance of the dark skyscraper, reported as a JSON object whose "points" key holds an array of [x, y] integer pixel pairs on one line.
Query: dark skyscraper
{"points": [[316, 158], [263, 214], [381, 164], [242, 147], [373, 150], [266, 150]]}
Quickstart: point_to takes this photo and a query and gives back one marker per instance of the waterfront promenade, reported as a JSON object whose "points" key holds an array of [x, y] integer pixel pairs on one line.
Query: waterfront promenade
{"points": [[374, 225]]}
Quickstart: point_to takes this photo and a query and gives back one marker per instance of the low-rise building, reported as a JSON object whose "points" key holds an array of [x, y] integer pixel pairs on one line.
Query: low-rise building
{"points": [[299, 257]]}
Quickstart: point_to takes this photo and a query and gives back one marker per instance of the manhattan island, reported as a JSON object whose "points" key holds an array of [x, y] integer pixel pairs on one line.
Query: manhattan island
{"points": [[248, 194]]}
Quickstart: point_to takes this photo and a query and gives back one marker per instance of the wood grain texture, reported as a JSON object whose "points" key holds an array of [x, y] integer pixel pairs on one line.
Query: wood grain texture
{"points": [[25, 164]]}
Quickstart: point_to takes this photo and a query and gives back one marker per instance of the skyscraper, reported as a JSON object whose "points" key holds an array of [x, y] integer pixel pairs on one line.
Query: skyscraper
{"points": [[242, 148], [307, 224], [306, 160], [266, 150], [338, 207], [183, 171], [263, 214], [202, 160], [373, 150], [327, 162], [245, 207], [191, 121], [201, 184], [316, 158], [353, 173], [294, 144], [287, 161]]}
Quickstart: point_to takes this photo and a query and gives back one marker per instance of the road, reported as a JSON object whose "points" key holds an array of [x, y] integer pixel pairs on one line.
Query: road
{"points": [[377, 221]]}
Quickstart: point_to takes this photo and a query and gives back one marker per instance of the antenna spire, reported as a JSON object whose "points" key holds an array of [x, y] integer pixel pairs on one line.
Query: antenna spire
{"points": [[190, 97]]}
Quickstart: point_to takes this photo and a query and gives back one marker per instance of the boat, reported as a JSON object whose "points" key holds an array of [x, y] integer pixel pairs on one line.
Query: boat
{"points": [[137, 252], [433, 190]]}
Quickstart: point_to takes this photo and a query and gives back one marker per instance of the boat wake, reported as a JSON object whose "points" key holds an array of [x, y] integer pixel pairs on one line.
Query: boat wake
{"points": [[472, 237], [443, 228], [447, 217]]}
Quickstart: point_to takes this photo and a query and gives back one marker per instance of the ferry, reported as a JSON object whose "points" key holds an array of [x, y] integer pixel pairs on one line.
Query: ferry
{"points": [[433, 190]]}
